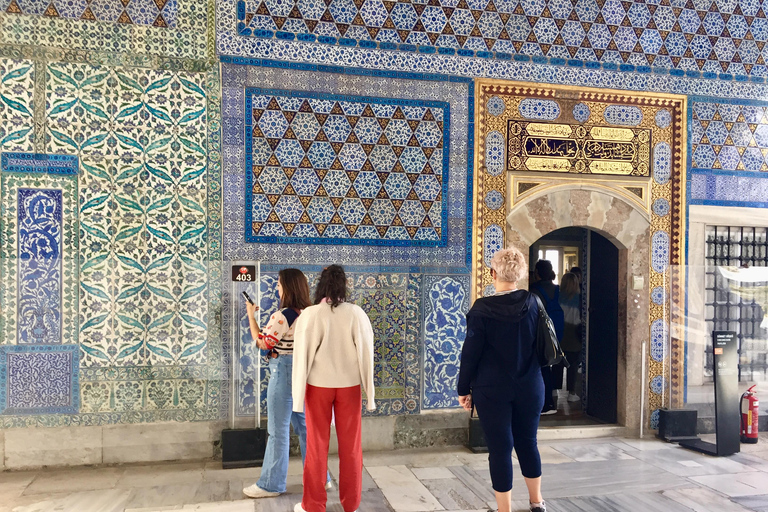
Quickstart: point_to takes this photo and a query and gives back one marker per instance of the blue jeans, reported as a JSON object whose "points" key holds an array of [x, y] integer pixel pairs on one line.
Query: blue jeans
{"points": [[280, 416]]}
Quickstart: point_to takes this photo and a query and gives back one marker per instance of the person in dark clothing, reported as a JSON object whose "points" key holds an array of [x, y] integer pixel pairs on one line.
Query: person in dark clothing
{"points": [[500, 376], [549, 293]]}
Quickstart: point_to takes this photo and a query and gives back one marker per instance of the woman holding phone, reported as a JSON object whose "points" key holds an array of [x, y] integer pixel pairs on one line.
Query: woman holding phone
{"points": [[277, 338]]}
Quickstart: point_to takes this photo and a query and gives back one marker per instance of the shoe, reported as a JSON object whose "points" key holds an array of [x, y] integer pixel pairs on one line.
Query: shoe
{"points": [[254, 491], [538, 507], [547, 412], [573, 397], [298, 508]]}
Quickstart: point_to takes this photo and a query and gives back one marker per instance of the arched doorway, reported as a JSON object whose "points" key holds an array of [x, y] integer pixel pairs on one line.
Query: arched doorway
{"points": [[586, 393], [620, 231]]}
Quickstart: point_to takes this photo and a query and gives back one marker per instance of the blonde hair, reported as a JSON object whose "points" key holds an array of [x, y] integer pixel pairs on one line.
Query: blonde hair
{"points": [[569, 285], [509, 265]]}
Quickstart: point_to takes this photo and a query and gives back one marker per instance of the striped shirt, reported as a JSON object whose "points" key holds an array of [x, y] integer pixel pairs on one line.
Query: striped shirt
{"points": [[278, 333]]}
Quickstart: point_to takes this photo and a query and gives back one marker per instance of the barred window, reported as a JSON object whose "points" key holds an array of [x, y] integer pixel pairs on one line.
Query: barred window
{"points": [[737, 295]]}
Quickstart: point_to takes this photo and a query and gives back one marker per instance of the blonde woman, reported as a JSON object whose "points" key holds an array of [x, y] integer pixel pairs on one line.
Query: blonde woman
{"points": [[501, 376]]}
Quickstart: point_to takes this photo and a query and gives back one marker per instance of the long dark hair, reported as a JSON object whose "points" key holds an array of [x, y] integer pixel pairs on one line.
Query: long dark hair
{"points": [[332, 285], [295, 289], [544, 270]]}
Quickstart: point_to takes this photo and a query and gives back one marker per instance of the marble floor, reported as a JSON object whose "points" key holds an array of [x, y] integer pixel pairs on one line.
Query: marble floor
{"points": [[608, 474]]}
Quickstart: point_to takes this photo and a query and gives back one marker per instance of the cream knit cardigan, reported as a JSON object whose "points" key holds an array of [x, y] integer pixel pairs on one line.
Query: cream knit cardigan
{"points": [[333, 348]]}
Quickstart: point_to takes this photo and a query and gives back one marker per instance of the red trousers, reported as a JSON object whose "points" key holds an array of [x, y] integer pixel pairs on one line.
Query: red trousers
{"points": [[347, 405]]}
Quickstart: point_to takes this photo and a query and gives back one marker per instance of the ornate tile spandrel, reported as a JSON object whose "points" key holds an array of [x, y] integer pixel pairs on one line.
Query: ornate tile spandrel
{"points": [[39, 379], [336, 169]]}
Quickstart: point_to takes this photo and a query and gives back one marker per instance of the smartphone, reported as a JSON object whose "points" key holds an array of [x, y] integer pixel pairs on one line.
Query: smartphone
{"points": [[247, 298]]}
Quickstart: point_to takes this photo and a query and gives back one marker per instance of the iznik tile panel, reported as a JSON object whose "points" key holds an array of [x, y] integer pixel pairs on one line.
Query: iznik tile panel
{"points": [[391, 301], [457, 92], [141, 140], [39, 379], [445, 302], [702, 36], [338, 169], [40, 249], [158, 13], [728, 135], [39, 265]]}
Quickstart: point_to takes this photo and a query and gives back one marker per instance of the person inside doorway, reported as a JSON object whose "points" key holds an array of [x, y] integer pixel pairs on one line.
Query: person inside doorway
{"points": [[549, 293], [570, 302]]}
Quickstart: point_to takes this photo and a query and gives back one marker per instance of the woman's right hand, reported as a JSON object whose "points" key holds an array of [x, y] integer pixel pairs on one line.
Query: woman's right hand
{"points": [[466, 402], [252, 309]]}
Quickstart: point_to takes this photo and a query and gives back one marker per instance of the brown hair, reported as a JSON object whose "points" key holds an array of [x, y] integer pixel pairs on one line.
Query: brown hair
{"points": [[569, 285], [332, 285], [295, 289]]}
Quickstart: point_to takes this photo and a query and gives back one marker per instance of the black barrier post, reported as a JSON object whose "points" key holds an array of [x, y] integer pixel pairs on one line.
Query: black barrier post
{"points": [[727, 413]]}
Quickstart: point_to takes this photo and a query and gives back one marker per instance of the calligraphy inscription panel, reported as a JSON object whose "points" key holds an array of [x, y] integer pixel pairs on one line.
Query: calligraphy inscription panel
{"points": [[582, 149]]}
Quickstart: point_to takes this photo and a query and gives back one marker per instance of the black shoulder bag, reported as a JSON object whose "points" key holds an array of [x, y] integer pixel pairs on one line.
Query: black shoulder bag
{"points": [[547, 345]]}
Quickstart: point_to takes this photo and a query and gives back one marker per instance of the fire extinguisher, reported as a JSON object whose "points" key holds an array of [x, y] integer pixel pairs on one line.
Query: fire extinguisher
{"points": [[750, 408]]}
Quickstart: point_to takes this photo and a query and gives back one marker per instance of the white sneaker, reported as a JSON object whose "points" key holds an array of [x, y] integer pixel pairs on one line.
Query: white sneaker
{"points": [[298, 508], [547, 413], [328, 485], [254, 491], [573, 397]]}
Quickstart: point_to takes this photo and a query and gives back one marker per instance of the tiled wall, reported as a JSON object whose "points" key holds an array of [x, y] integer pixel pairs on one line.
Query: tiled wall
{"points": [[131, 89]]}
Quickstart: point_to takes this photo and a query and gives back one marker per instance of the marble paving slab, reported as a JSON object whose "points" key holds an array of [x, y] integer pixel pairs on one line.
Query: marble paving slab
{"points": [[593, 452], [432, 473], [740, 484], [756, 503], [162, 496], [110, 500], [162, 474], [454, 495], [605, 477], [625, 502], [403, 490], [700, 499], [678, 462], [74, 480], [474, 481]]}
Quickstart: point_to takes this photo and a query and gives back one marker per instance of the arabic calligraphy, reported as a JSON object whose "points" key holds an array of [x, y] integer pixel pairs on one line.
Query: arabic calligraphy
{"points": [[540, 146], [602, 150], [578, 149]]}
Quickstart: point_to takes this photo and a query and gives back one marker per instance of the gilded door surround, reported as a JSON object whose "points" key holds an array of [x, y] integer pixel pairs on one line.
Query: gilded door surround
{"points": [[622, 207]]}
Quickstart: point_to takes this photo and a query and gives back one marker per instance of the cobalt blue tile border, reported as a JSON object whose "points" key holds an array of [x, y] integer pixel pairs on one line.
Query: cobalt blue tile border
{"points": [[41, 350], [250, 92], [358, 71], [243, 31], [40, 162]]}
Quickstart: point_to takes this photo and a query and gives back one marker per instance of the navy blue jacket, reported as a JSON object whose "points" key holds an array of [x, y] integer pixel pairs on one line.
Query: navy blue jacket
{"points": [[500, 348]]}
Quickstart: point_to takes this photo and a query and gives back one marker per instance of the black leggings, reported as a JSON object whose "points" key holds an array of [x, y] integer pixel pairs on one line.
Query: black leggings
{"points": [[510, 423]]}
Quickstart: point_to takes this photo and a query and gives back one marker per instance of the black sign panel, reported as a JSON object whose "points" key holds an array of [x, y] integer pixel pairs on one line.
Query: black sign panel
{"points": [[244, 273], [727, 413]]}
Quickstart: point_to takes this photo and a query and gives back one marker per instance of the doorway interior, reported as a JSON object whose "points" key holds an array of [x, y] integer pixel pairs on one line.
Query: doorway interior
{"points": [[596, 370]]}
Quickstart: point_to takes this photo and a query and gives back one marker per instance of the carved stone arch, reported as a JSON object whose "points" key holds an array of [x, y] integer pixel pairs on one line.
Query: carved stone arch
{"points": [[627, 226]]}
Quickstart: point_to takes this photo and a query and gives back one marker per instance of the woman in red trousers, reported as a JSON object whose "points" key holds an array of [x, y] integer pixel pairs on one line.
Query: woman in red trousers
{"points": [[332, 361]]}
